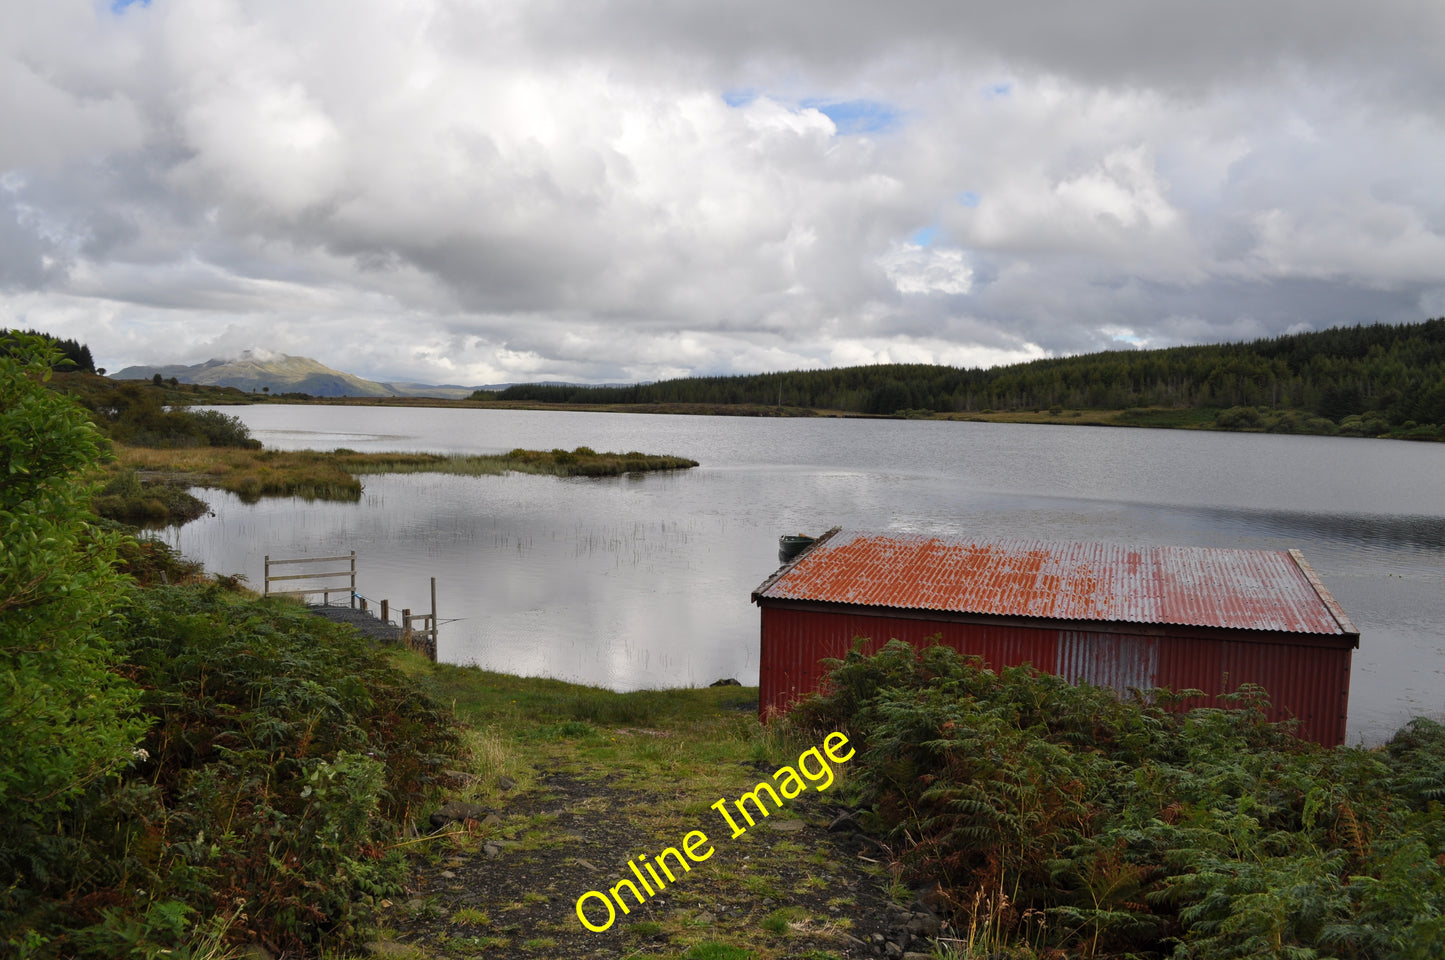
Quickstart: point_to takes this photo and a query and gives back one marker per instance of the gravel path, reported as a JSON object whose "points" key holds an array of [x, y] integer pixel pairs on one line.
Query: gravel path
{"points": [[790, 889]]}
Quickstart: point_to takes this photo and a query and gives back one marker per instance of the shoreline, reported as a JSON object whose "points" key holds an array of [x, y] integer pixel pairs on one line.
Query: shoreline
{"points": [[1295, 422]]}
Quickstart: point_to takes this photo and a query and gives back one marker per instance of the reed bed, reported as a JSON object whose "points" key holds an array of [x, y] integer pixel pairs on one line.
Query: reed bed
{"points": [[582, 462]]}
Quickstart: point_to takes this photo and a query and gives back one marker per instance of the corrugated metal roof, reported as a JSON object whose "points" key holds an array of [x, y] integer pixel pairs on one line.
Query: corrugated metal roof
{"points": [[1191, 586]]}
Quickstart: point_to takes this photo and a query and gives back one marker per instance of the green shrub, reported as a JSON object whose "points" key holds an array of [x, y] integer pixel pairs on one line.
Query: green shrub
{"points": [[1122, 827], [126, 497], [286, 755], [282, 761], [1238, 418], [66, 717], [218, 429]]}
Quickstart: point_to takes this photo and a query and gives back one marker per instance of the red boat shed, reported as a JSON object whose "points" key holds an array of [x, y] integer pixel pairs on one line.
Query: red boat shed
{"points": [[1110, 615]]}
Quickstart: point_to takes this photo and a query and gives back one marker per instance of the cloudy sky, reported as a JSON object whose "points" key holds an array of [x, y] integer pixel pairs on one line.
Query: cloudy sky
{"points": [[607, 190]]}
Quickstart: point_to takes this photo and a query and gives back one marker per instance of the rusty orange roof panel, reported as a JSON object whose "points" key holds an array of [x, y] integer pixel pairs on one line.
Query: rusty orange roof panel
{"points": [[1191, 586]]}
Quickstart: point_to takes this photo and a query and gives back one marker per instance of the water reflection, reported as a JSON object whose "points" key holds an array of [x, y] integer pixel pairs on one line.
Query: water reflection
{"points": [[1381, 533]]}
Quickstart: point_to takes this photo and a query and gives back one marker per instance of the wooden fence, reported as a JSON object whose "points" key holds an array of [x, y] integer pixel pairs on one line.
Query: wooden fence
{"points": [[327, 590], [418, 630]]}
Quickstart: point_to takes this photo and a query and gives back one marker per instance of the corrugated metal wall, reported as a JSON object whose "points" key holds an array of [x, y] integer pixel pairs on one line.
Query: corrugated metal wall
{"points": [[1307, 682], [1117, 661]]}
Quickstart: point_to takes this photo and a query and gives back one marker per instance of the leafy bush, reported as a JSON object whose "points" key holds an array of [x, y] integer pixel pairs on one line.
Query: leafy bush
{"points": [[65, 716], [1238, 418], [1067, 818], [287, 753], [177, 752], [219, 429], [136, 414], [284, 757], [72, 355]]}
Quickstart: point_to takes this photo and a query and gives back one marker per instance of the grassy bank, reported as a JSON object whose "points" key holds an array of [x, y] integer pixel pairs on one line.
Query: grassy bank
{"points": [[288, 772]]}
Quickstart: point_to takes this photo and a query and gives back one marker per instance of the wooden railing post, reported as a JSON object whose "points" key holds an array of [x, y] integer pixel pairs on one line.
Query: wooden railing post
{"points": [[432, 645], [267, 591], [385, 611]]}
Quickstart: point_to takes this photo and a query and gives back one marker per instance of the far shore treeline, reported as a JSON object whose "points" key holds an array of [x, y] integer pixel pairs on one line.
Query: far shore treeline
{"points": [[1362, 380]]}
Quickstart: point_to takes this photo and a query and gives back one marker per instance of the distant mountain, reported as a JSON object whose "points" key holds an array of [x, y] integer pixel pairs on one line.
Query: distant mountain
{"points": [[262, 371], [450, 391]]}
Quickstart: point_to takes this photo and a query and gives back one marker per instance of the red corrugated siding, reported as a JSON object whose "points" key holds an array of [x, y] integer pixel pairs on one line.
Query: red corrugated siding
{"points": [[794, 641], [1310, 683]]}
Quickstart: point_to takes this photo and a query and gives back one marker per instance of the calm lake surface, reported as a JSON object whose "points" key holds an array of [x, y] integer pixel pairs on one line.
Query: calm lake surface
{"points": [[644, 581]]}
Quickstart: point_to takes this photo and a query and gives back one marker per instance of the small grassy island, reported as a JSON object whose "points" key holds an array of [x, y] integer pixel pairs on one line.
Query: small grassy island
{"points": [[150, 483]]}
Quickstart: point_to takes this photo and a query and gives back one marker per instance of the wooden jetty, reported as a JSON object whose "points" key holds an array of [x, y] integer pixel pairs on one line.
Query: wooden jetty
{"points": [[416, 630]]}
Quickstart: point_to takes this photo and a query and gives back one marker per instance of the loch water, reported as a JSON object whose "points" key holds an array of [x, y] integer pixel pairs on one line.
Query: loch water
{"points": [[644, 581]]}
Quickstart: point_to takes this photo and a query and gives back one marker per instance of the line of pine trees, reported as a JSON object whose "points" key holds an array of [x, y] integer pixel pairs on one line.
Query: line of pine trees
{"points": [[1394, 373], [77, 354]]}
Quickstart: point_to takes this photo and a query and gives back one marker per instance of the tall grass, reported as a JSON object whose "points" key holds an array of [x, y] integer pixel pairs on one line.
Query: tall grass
{"points": [[582, 462]]}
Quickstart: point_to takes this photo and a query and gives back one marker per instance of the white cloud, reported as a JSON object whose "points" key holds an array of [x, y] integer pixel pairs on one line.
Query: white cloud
{"points": [[929, 350], [421, 189], [922, 270]]}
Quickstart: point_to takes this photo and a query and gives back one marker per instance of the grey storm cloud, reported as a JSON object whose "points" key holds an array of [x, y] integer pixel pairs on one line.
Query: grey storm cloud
{"points": [[614, 190]]}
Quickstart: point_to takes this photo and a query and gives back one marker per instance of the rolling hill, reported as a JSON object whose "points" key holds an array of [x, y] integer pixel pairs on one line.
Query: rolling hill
{"points": [[256, 371]]}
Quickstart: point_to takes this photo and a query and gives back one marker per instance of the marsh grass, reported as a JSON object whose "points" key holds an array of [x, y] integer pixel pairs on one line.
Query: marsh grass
{"points": [[581, 462], [125, 497], [249, 474]]}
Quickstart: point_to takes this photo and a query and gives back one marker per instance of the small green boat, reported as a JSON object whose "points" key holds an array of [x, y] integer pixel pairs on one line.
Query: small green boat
{"points": [[790, 547]]}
